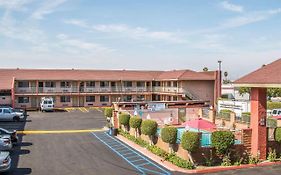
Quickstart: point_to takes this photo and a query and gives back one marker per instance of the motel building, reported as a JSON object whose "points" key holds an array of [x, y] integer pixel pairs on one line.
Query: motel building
{"points": [[23, 88]]}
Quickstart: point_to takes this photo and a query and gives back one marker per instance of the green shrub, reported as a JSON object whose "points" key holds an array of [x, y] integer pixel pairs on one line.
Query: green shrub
{"points": [[246, 117], [135, 122], [226, 161], [169, 135], [222, 141], [124, 119], [149, 127], [271, 123], [190, 141], [225, 114], [277, 135], [108, 112], [272, 156], [273, 105], [254, 159], [159, 152]]}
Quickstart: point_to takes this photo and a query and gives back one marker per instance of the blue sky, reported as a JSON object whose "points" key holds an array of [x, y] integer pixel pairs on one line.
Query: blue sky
{"points": [[134, 34]]}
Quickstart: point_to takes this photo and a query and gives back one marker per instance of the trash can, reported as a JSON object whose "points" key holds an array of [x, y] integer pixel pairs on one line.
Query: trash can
{"points": [[114, 132]]}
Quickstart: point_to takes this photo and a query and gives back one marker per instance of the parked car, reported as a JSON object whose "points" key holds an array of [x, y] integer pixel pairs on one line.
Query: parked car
{"points": [[276, 112], [47, 104], [7, 113], [5, 161], [13, 134], [5, 142]]}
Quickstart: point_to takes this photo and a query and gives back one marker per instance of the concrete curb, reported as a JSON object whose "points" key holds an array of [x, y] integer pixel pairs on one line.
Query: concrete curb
{"points": [[173, 167]]}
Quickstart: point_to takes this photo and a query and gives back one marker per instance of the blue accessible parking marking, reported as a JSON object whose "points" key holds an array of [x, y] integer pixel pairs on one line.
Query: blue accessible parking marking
{"points": [[134, 158]]}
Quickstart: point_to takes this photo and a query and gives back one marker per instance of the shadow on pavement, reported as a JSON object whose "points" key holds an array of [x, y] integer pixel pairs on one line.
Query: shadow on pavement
{"points": [[18, 151]]}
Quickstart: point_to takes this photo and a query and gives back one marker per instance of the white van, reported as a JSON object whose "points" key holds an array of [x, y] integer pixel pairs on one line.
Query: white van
{"points": [[47, 104], [276, 112]]}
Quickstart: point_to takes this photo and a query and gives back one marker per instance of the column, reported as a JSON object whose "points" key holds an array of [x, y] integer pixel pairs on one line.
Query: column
{"points": [[258, 122]]}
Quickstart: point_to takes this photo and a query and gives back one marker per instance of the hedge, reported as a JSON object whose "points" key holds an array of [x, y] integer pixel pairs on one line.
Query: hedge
{"points": [[169, 134], [124, 119], [273, 105], [108, 112], [271, 123], [149, 127], [246, 117], [174, 159], [225, 114], [190, 141], [222, 141], [277, 135], [135, 122]]}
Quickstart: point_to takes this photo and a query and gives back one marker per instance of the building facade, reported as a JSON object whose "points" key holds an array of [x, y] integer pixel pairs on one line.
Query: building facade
{"points": [[82, 88]]}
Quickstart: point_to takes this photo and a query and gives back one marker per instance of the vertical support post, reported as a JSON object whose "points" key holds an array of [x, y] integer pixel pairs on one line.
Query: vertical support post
{"points": [[258, 122], [13, 93]]}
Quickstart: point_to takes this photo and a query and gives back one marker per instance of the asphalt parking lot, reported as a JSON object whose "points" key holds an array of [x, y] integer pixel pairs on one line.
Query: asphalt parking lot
{"points": [[75, 153]]}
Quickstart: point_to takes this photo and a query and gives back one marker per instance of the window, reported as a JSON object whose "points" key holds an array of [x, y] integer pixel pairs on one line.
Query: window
{"points": [[0, 110], [6, 111], [156, 83], [50, 84], [127, 98], [5, 93], [113, 84], [140, 84], [175, 98], [23, 84], [90, 98], [175, 84], [128, 83], [104, 84], [104, 98], [168, 84], [65, 84], [140, 98], [23, 100], [65, 99], [90, 84]]}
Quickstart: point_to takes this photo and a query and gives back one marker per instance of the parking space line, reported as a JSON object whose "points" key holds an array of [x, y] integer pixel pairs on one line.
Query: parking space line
{"points": [[104, 137], [59, 131]]}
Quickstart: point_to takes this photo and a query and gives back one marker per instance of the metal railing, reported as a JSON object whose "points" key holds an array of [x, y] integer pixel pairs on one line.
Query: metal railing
{"points": [[117, 89]]}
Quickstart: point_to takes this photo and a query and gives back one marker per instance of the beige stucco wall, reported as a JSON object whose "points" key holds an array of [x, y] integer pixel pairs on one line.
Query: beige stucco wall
{"points": [[204, 90]]}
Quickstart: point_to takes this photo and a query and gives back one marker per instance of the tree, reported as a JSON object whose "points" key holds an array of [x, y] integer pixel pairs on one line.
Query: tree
{"points": [[149, 128], [244, 90], [124, 120], [169, 135], [190, 141], [135, 122], [205, 69], [222, 142]]}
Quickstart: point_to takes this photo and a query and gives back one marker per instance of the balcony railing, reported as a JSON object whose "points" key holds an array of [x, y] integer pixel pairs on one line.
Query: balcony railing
{"points": [[116, 89]]}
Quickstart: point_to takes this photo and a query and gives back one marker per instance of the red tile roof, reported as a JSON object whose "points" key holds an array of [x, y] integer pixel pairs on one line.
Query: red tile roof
{"points": [[6, 75], [267, 75]]}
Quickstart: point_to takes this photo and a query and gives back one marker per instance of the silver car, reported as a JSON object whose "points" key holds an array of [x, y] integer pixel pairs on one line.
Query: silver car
{"points": [[5, 142], [5, 161], [8, 114]]}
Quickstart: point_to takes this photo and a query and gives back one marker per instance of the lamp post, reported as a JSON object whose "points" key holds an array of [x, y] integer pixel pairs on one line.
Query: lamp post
{"points": [[219, 81]]}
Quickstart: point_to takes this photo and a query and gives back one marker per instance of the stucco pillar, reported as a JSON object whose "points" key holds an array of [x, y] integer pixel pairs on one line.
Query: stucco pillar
{"points": [[258, 122]]}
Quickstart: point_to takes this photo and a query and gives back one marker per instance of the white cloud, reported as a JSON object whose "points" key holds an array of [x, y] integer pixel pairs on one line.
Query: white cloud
{"points": [[14, 4], [77, 22], [46, 8], [232, 7], [124, 30], [76, 44], [249, 18]]}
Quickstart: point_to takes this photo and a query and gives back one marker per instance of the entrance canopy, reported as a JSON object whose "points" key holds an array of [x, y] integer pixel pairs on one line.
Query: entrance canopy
{"points": [[268, 76]]}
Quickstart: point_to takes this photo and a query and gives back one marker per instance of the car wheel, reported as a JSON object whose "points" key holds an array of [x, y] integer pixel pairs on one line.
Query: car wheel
{"points": [[16, 119]]}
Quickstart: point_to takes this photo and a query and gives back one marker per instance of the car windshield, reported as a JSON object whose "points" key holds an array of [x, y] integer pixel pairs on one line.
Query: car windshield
{"points": [[274, 112]]}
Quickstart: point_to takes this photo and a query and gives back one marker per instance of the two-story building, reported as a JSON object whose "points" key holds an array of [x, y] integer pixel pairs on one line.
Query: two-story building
{"points": [[23, 88]]}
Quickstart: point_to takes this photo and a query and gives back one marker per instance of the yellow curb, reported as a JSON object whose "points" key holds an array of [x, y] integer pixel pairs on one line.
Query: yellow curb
{"points": [[59, 131]]}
